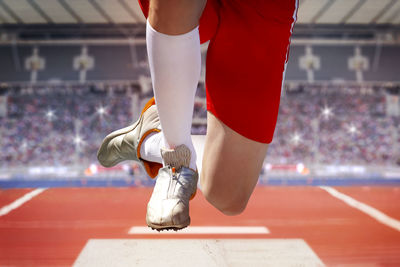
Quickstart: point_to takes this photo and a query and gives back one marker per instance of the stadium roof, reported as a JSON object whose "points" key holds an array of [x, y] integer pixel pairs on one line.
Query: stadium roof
{"points": [[30, 20], [128, 12], [349, 11], [70, 11]]}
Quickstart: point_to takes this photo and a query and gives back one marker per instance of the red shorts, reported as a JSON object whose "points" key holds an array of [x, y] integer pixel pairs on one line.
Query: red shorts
{"points": [[246, 61]]}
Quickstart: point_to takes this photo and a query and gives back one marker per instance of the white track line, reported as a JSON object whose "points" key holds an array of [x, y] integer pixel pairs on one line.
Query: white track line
{"points": [[374, 213], [17, 203], [204, 230]]}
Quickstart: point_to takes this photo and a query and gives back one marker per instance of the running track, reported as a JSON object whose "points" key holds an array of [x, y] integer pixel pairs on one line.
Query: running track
{"points": [[52, 228]]}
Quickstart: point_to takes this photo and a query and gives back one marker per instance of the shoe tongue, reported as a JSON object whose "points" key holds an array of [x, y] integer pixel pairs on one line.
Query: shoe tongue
{"points": [[177, 157]]}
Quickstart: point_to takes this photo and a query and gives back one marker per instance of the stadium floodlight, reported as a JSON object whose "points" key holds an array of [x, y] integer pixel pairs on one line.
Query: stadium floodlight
{"points": [[296, 138], [101, 110], [50, 115], [24, 146], [352, 129], [327, 112], [78, 140]]}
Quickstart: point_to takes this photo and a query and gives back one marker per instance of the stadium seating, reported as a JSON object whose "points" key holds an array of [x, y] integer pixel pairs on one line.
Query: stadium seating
{"points": [[60, 125]]}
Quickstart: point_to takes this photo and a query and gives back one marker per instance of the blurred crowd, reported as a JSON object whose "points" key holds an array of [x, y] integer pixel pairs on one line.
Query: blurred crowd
{"points": [[61, 125], [58, 125], [336, 124]]}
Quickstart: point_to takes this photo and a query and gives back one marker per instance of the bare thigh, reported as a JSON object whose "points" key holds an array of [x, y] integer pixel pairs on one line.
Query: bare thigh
{"points": [[230, 168]]}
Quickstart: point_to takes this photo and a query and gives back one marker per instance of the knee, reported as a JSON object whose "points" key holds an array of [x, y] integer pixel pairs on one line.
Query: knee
{"points": [[229, 203], [232, 209]]}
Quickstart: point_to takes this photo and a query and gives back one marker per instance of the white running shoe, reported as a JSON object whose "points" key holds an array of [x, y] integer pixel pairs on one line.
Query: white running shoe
{"points": [[124, 144], [176, 184]]}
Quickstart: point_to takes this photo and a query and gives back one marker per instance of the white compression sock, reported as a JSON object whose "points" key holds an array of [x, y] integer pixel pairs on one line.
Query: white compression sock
{"points": [[150, 148], [175, 64]]}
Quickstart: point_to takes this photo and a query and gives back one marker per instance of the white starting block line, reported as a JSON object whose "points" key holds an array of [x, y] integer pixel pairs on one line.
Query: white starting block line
{"points": [[203, 230], [197, 253]]}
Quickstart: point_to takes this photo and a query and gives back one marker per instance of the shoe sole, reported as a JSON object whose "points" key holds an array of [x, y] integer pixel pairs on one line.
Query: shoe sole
{"points": [[169, 227], [119, 132]]}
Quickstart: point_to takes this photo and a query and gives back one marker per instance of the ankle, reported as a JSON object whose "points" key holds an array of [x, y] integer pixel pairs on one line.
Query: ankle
{"points": [[181, 155]]}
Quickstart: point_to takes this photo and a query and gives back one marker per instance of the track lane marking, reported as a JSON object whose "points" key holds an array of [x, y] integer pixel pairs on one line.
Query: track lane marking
{"points": [[20, 201], [372, 212], [204, 230]]}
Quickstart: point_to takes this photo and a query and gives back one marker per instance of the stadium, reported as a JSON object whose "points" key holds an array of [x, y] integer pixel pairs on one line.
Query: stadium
{"points": [[73, 71]]}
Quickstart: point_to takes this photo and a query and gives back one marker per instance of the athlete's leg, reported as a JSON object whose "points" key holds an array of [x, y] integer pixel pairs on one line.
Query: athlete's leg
{"points": [[231, 166], [173, 46], [245, 68], [174, 17], [174, 57]]}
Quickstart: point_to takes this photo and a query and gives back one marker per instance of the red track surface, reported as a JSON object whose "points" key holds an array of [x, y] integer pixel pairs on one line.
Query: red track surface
{"points": [[8, 196], [382, 198], [52, 228]]}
